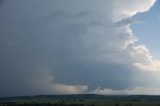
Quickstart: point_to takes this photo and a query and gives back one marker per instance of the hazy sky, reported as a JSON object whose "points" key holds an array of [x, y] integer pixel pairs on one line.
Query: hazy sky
{"points": [[79, 46]]}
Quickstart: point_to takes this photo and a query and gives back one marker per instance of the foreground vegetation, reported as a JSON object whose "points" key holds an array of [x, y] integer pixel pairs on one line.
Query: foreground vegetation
{"points": [[81, 100]]}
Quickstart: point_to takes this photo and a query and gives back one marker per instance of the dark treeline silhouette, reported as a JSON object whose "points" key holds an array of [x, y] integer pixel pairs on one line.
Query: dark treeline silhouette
{"points": [[88, 96], [43, 104]]}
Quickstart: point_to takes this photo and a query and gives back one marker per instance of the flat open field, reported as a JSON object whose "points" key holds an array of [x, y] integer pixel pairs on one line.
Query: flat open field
{"points": [[85, 100]]}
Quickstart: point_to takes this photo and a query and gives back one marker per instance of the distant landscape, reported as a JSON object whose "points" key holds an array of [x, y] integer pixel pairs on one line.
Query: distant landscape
{"points": [[82, 100], [79, 53]]}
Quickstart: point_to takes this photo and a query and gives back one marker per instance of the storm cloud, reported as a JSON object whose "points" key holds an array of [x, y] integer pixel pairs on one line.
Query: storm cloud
{"points": [[64, 47]]}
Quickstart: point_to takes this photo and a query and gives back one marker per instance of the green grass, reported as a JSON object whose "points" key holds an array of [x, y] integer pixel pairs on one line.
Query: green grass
{"points": [[87, 102]]}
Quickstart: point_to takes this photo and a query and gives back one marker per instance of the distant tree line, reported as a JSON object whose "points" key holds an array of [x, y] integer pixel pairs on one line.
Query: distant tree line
{"points": [[45, 104]]}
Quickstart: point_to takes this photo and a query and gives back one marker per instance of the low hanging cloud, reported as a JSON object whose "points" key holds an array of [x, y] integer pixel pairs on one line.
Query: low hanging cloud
{"points": [[43, 79], [128, 91], [49, 48]]}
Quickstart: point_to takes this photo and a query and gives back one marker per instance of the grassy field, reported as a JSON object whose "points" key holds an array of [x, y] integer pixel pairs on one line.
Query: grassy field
{"points": [[75, 101], [82, 102]]}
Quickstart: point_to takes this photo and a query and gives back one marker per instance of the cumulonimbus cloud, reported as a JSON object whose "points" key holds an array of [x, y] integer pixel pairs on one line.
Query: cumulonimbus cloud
{"points": [[84, 46]]}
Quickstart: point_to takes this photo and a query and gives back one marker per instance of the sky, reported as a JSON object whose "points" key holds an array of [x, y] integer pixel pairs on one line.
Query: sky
{"points": [[79, 47], [148, 29]]}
